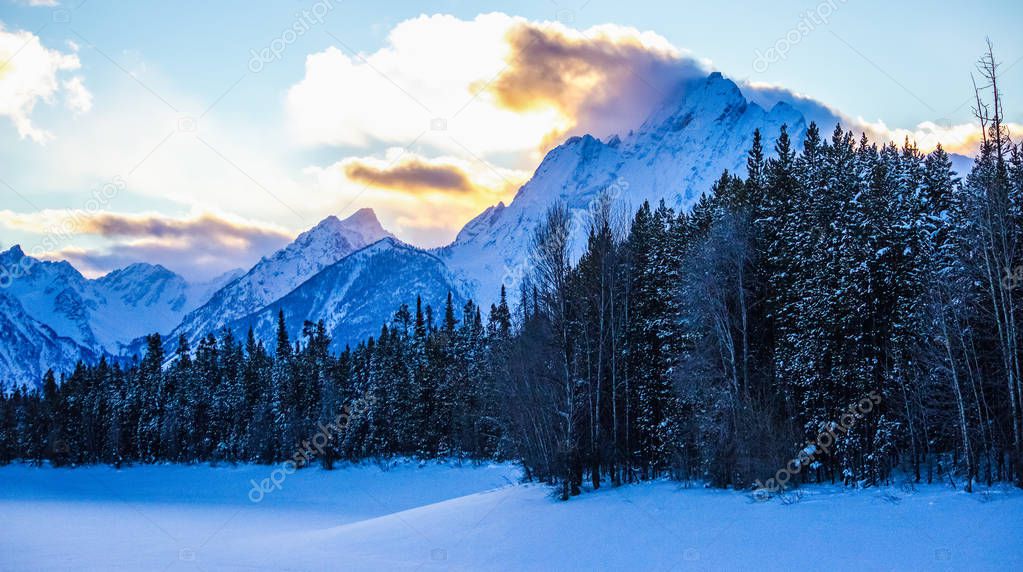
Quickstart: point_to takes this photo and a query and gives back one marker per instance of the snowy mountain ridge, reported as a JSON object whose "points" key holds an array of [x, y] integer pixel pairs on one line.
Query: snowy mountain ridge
{"points": [[278, 274], [53, 311], [328, 272], [105, 313], [356, 295], [30, 347], [676, 155]]}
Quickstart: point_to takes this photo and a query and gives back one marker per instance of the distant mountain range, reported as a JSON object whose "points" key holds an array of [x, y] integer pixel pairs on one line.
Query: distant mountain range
{"points": [[51, 315], [357, 294], [275, 276], [353, 274]]}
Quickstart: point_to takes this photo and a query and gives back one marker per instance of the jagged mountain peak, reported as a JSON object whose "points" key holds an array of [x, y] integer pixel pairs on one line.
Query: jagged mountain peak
{"points": [[352, 273], [278, 274], [365, 224], [390, 242], [480, 223], [14, 252], [701, 129], [359, 229], [29, 346], [360, 292], [61, 268], [104, 314], [364, 219], [140, 271]]}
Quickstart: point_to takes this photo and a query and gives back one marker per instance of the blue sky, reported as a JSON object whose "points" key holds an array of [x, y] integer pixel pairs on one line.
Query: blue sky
{"points": [[154, 127]]}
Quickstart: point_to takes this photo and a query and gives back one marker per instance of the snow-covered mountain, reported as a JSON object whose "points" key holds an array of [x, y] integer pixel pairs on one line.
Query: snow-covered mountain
{"points": [[105, 313], [280, 273], [353, 274], [152, 291], [85, 317], [676, 155], [360, 292], [53, 293], [29, 347], [961, 164]]}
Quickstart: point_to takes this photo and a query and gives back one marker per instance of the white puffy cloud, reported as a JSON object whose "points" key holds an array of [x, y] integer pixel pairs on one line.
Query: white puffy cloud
{"points": [[76, 97], [31, 72], [497, 84], [393, 95], [963, 138], [472, 94], [505, 87]]}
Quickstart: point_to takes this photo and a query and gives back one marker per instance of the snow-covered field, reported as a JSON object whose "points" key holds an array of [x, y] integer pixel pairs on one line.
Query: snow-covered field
{"points": [[478, 518]]}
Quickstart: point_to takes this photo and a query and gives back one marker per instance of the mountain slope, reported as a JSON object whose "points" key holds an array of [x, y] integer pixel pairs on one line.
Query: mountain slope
{"points": [[105, 313], [30, 347], [53, 293], [276, 275], [676, 155], [357, 294], [146, 298]]}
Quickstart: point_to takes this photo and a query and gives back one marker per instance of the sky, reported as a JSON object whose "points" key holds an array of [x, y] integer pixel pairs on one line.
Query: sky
{"points": [[204, 135]]}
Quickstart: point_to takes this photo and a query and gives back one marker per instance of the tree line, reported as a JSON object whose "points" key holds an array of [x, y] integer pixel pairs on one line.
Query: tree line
{"points": [[730, 342], [720, 343], [419, 389]]}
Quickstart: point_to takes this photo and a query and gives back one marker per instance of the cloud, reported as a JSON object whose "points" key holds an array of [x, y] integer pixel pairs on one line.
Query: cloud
{"points": [[29, 73], [410, 175], [601, 81], [194, 264], [168, 159], [768, 95], [199, 247], [522, 88], [480, 99], [76, 97], [394, 95], [423, 200], [964, 138], [520, 84], [479, 118]]}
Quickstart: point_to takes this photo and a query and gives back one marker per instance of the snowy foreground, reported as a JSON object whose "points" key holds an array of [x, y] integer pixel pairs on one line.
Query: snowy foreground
{"points": [[478, 518]]}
